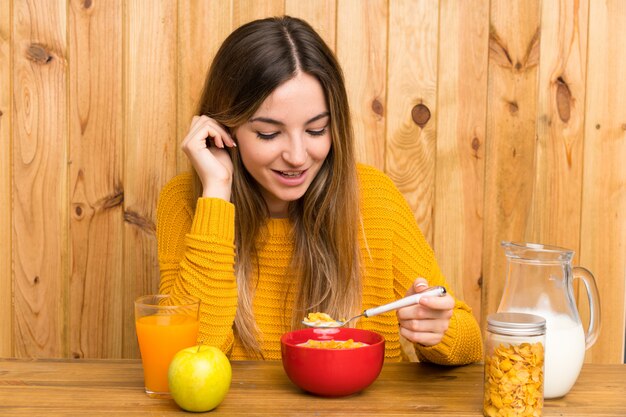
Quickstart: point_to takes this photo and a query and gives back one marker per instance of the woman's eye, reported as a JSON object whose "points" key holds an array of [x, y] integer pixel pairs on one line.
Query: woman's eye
{"points": [[320, 132], [266, 136]]}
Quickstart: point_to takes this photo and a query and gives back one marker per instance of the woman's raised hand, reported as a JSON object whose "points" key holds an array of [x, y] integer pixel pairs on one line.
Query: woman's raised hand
{"points": [[205, 145]]}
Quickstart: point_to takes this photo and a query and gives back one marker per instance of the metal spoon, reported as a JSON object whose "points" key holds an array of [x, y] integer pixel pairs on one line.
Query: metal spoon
{"points": [[437, 291]]}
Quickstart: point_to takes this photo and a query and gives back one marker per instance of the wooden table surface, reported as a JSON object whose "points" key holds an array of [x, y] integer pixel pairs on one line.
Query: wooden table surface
{"points": [[115, 387]]}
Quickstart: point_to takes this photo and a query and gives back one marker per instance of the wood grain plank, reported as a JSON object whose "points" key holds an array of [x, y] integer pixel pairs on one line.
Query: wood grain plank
{"points": [[321, 14], [460, 159], [150, 131], [511, 133], [245, 11], [6, 275], [603, 228], [362, 52], [555, 215], [202, 28], [96, 192], [411, 109], [40, 178], [411, 103]]}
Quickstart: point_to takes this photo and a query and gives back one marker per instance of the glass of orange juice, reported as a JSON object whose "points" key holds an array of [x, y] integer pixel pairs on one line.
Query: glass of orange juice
{"points": [[165, 324]]}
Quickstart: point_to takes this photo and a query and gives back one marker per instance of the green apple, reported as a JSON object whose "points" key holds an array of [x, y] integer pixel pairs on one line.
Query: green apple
{"points": [[199, 378]]}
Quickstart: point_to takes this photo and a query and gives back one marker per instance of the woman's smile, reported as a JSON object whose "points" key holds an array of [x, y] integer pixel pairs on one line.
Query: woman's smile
{"points": [[291, 176]]}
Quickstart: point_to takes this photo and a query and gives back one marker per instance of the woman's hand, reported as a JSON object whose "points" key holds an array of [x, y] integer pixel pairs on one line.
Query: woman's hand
{"points": [[426, 322], [204, 145]]}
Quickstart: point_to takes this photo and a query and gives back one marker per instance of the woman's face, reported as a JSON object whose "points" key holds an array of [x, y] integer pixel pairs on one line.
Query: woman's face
{"points": [[285, 143]]}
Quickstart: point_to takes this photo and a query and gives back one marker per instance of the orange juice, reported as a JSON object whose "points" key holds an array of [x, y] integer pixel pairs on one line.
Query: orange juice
{"points": [[160, 338]]}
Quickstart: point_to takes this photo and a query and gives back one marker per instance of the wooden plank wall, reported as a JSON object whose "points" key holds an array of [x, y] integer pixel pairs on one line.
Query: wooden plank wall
{"points": [[498, 120], [39, 189], [6, 90]]}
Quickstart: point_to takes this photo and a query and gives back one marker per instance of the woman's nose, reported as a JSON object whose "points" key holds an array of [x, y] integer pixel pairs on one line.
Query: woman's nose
{"points": [[295, 152]]}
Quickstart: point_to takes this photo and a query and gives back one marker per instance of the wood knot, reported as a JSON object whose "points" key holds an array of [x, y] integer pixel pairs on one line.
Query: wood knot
{"points": [[420, 115], [1, 113], [598, 126], [78, 210], [87, 4], [498, 50], [563, 100], [36, 280], [475, 144], [136, 219], [513, 107], [623, 124], [113, 200], [39, 54], [377, 107]]}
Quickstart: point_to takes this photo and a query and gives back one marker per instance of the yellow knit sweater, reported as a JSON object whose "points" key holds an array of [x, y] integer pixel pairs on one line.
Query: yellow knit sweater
{"points": [[197, 256]]}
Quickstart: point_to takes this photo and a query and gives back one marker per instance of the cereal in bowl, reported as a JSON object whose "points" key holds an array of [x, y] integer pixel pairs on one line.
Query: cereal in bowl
{"points": [[332, 344]]}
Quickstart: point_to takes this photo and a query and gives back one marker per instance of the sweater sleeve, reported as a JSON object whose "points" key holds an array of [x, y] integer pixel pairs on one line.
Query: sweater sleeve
{"points": [[196, 256], [412, 258]]}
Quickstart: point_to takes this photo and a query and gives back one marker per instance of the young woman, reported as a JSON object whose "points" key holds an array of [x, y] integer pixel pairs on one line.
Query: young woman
{"points": [[278, 220]]}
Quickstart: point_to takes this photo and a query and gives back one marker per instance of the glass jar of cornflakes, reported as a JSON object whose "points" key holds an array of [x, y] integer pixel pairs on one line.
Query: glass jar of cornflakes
{"points": [[514, 365]]}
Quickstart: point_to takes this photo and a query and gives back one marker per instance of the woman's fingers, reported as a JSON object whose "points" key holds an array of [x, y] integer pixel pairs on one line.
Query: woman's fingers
{"points": [[422, 338], [204, 131], [425, 326], [428, 331], [428, 307], [425, 323], [220, 136], [423, 314], [419, 285]]}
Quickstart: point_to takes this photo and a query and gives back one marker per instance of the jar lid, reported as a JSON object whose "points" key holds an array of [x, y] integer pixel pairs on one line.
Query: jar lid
{"points": [[516, 324]]}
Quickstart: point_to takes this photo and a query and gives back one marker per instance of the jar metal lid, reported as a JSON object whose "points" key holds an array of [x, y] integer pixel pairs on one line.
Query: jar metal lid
{"points": [[516, 324]]}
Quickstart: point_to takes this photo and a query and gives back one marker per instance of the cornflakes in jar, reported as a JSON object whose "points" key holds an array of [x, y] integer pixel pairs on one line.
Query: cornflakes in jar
{"points": [[514, 365]]}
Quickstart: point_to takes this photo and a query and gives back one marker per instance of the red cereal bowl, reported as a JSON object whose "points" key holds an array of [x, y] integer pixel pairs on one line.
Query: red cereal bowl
{"points": [[332, 372]]}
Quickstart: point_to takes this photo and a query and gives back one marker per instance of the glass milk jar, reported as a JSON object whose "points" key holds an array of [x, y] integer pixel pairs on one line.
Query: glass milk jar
{"points": [[539, 281]]}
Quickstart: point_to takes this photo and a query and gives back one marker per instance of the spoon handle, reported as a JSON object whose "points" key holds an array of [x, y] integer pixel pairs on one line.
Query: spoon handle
{"points": [[406, 301]]}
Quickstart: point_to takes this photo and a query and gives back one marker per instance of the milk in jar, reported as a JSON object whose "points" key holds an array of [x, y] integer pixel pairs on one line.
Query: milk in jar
{"points": [[565, 352]]}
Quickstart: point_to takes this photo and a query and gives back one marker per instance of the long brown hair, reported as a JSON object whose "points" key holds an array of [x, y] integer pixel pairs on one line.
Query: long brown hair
{"points": [[251, 63]]}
